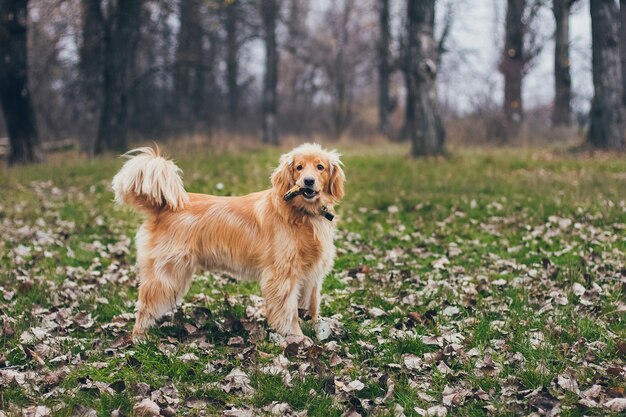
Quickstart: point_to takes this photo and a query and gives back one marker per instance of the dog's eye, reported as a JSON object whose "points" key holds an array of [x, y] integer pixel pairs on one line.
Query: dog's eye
{"points": [[320, 167], [299, 167]]}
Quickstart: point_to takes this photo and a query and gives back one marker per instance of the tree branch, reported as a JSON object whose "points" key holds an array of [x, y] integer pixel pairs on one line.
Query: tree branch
{"points": [[447, 27]]}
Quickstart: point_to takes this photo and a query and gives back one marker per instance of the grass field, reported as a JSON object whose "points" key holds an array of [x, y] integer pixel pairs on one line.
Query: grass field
{"points": [[488, 283]]}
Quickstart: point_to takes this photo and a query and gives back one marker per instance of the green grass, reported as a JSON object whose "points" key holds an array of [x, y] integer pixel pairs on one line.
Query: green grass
{"points": [[520, 230]]}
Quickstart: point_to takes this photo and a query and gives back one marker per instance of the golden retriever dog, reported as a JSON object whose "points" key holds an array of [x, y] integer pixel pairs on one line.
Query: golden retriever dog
{"points": [[285, 245]]}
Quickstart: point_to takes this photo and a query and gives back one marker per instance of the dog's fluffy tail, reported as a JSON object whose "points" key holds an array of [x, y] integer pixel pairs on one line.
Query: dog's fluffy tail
{"points": [[150, 182]]}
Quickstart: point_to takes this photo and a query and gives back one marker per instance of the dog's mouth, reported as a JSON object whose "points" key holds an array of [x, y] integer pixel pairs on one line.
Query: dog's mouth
{"points": [[309, 193]]}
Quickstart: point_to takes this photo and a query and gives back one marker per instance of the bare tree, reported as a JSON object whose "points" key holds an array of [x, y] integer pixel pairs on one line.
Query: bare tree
{"points": [[91, 64], [384, 68], [622, 39], [121, 36], [606, 128], [513, 63], [423, 120], [336, 69], [231, 23], [562, 112], [17, 106], [446, 28], [110, 37], [51, 76], [176, 89], [521, 47], [343, 48], [269, 11], [299, 70], [189, 71]]}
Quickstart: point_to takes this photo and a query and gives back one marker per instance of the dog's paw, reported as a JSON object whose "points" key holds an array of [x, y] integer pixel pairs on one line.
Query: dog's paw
{"points": [[299, 339], [139, 336]]}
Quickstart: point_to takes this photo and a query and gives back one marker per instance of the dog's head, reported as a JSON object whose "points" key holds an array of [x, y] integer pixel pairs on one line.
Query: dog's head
{"points": [[316, 170]]}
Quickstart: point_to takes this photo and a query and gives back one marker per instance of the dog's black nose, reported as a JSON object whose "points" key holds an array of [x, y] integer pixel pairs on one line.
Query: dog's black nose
{"points": [[308, 182]]}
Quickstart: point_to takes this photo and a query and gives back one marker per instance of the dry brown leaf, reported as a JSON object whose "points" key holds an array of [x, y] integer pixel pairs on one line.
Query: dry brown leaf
{"points": [[146, 408]]}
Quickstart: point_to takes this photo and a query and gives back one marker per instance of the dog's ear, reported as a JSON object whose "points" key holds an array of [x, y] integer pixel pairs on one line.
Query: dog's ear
{"points": [[282, 178], [337, 178]]}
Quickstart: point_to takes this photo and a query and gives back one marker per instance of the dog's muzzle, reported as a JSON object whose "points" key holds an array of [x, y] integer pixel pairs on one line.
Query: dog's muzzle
{"points": [[309, 193]]}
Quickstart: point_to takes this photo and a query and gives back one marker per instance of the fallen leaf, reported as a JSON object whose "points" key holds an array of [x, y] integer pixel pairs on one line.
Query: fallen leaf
{"points": [[568, 382], [437, 411], [235, 412], [450, 311], [411, 361], [454, 396], [83, 320], [355, 385], [146, 408], [441, 263], [188, 357], [237, 379], [592, 392], [322, 329], [36, 411], [615, 404], [235, 341]]}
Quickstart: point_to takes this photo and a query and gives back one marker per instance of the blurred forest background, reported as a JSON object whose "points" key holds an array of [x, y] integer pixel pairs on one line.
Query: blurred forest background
{"points": [[100, 74]]}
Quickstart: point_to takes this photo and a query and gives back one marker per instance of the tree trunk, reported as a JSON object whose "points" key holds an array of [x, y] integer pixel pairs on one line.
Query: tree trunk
{"points": [[232, 60], [338, 72], [512, 65], [423, 122], [606, 128], [384, 69], [269, 12], [561, 114], [622, 11], [17, 106], [91, 64], [120, 43], [189, 70]]}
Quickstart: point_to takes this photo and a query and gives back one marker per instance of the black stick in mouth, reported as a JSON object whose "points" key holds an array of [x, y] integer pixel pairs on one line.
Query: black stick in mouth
{"points": [[293, 193], [296, 190]]}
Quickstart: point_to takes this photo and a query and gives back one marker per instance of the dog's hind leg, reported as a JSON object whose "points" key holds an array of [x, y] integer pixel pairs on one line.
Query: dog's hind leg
{"points": [[281, 303], [161, 288]]}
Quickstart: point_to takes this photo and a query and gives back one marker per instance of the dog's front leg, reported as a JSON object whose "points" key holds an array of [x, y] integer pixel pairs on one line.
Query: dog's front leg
{"points": [[314, 302], [309, 299], [280, 292]]}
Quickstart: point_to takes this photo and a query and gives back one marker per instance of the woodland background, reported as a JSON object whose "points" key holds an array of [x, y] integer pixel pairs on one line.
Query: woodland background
{"points": [[99, 73]]}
